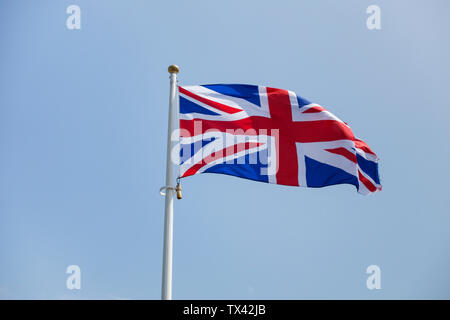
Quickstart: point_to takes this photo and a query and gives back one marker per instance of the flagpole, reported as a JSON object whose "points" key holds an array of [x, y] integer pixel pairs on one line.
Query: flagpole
{"points": [[166, 287]]}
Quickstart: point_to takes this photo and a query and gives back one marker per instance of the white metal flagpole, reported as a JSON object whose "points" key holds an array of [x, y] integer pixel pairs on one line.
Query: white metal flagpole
{"points": [[166, 289]]}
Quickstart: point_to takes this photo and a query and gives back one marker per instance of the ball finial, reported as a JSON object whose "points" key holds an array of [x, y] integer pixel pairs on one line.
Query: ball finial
{"points": [[173, 68]]}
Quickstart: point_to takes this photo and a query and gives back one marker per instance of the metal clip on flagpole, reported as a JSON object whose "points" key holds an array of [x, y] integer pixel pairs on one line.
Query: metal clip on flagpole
{"points": [[166, 288], [178, 189]]}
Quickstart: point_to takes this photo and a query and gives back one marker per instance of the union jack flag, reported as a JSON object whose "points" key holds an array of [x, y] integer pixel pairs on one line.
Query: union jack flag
{"points": [[270, 135]]}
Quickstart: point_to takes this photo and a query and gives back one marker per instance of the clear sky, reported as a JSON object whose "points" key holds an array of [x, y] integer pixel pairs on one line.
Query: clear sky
{"points": [[83, 120]]}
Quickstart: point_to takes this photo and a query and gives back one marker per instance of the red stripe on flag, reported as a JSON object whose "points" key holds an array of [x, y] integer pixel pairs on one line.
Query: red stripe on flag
{"points": [[281, 116], [217, 105], [369, 185], [315, 109], [302, 131], [343, 152], [363, 146]]}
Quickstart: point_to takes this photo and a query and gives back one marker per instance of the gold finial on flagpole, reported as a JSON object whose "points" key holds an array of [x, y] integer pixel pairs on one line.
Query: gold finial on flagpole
{"points": [[173, 68]]}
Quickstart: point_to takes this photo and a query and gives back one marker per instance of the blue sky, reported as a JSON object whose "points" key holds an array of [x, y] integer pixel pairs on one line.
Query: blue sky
{"points": [[83, 116]]}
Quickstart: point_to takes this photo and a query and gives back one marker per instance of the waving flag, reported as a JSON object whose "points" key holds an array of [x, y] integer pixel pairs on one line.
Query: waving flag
{"points": [[270, 135]]}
